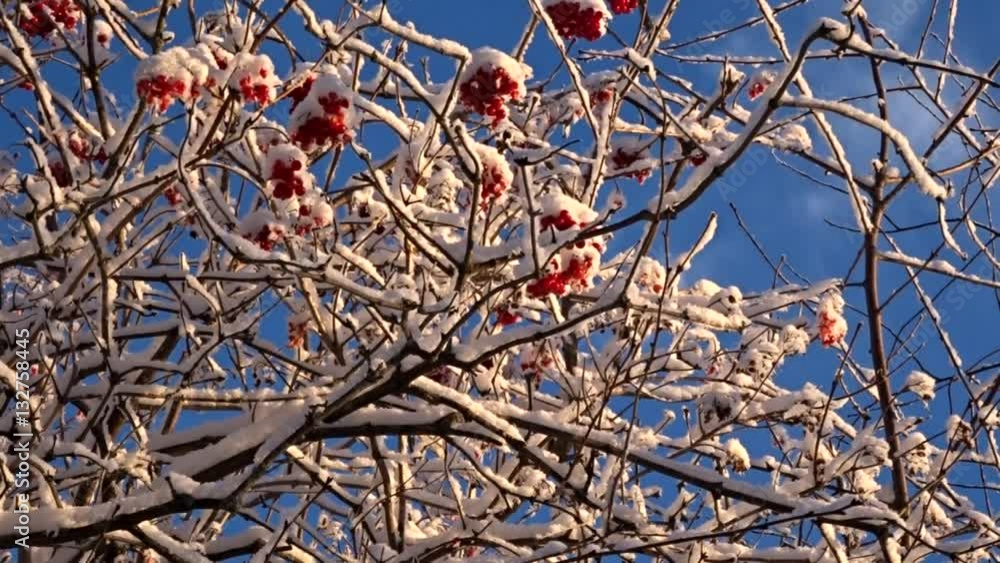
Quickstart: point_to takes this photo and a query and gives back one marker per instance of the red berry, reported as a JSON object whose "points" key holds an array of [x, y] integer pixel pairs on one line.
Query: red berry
{"points": [[161, 91], [623, 6], [299, 93], [286, 182], [549, 284], [494, 186], [61, 174], [505, 317], [623, 158], [487, 92], [571, 21], [173, 196], [331, 127], [560, 222], [47, 15], [600, 97]]}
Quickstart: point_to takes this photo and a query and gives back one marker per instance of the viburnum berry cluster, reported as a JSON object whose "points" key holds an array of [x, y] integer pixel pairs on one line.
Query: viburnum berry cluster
{"points": [[176, 74], [623, 6], [325, 116], [173, 196], [304, 84], [41, 18], [577, 263], [507, 316], [314, 213], [287, 169], [759, 82], [254, 77], [563, 212], [264, 229], [651, 275], [830, 323], [496, 176], [628, 156], [492, 80], [81, 147], [601, 97], [534, 360], [61, 174], [584, 19]]}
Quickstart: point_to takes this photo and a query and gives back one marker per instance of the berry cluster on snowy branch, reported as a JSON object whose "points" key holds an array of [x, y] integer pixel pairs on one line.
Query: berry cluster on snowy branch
{"points": [[350, 309]]}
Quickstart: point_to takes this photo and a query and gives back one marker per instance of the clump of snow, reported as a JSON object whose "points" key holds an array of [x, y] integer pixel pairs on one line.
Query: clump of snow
{"points": [[650, 275], [792, 137], [794, 340], [737, 456], [920, 384]]}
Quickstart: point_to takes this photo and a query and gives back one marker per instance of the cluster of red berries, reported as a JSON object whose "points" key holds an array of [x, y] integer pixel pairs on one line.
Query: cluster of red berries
{"points": [[300, 92], [600, 97], [576, 275], [82, 149], [267, 236], [698, 157], [759, 83], [487, 92], [494, 186], [161, 91], [287, 182], [61, 174], [561, 222], [553, 283], [174, 197], [258, 92], [308, 222], [331, 127], [623, 158], [221, 59], [655, 283], [48, 15], [441, 375], [536, 362], [572, 20], [832, 328], [506, 317], [623, 6]]}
